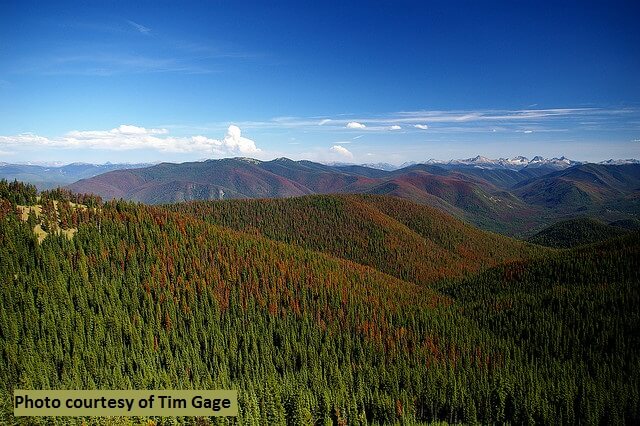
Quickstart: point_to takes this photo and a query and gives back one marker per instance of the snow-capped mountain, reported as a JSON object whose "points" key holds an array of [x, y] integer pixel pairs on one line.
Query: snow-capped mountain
{"points": [[413, 163], [478, 160], [620, 162], [518, 161], [556, 163], [515, 163], [381, 166]]}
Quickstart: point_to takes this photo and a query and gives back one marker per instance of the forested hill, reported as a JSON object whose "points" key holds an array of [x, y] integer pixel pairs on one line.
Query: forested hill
{"points": [[575, 232], [410, 241], [142, 297], [576, 315]]}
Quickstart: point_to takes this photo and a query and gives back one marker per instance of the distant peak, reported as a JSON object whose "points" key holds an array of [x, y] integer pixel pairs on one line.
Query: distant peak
{"points": [[620, 162], [248, 160], [380, 166], [513, 163], [284, 160]]}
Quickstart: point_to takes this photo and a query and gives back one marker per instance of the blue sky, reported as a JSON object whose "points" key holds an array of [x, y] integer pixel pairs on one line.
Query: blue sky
{"points": [[327, 81]]}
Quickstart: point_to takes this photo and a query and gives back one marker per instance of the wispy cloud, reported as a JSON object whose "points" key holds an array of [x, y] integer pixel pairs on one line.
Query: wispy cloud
{"points": [[126, 53], [128, 137], [106, 64], [395, 127], [140, 28], [438, 121], [489, 115]]}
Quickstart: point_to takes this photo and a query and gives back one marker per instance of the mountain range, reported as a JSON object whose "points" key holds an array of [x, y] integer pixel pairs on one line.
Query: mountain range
{"points": [[515, 163], [515, 196], [507, 200]]}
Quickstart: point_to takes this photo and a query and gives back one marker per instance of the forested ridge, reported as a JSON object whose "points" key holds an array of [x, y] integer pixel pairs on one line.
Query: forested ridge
{"points": [[576, 232], [145, 297], [413, 242]]}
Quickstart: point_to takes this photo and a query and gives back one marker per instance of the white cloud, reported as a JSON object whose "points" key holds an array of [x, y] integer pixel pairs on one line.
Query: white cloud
{"points": [[421, 126], [528, 131], [395, 127], [323, 122], [123, 130], [128, 137], [355, 125], [23, 139], [341, 151], [234, 141]]}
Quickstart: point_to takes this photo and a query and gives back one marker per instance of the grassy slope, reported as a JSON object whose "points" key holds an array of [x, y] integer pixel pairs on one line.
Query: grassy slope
{"points": [[37, 210]]}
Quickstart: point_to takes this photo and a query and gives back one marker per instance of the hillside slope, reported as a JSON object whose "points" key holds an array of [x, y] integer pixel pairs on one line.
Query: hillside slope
{"points": [[578, 310], [179, 303], [213, 179], [410, 241], [581, 186], [141, 297], [575, 232]]}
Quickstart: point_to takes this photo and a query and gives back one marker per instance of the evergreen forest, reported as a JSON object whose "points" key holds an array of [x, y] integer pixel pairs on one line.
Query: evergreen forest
{"points": [[319, 310]]}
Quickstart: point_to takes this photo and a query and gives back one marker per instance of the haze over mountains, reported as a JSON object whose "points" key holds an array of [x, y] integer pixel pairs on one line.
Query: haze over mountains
{"points": [[46, 176]]}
